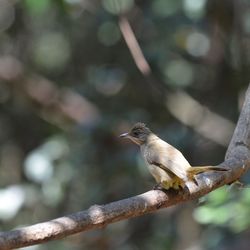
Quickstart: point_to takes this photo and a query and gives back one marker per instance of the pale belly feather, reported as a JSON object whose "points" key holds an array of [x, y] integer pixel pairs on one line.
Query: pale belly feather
{"points": [[159, 174], [162, 177]]}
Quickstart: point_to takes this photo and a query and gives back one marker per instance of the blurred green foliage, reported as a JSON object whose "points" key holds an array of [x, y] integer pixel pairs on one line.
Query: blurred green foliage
{"points": [[226, 208], [69, 86]]}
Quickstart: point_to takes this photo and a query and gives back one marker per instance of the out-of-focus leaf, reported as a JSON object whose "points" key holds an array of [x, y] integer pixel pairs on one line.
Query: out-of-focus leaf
{"points": [[52, 51], [37, 6], [117, 6]]}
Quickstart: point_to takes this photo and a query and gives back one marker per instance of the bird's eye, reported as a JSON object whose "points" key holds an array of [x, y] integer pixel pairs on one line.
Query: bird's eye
{"points": [[136, 133]]}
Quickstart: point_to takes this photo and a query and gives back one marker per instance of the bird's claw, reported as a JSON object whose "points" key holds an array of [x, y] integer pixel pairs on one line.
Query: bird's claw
{"points": [[158, 187]]}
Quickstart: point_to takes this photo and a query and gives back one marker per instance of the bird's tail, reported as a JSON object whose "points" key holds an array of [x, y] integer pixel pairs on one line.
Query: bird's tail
{"points": [[201, 169]]}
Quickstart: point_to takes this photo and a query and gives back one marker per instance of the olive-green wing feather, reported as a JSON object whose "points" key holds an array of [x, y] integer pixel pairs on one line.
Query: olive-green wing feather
{"points": [[168, 158]]}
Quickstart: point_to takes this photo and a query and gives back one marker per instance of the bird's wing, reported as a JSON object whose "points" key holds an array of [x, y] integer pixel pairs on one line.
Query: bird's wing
{"points": [[168, 158]]}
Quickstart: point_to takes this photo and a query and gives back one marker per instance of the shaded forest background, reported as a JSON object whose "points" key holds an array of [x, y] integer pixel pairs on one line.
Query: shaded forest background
{"points": [[69, 86]]}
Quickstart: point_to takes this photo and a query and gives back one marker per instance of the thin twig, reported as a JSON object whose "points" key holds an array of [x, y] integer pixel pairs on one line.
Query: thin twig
{"points": [[134, 46]]}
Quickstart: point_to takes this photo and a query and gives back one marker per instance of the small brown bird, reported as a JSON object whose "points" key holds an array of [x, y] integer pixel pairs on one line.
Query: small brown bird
{"points": [[166, 163]]}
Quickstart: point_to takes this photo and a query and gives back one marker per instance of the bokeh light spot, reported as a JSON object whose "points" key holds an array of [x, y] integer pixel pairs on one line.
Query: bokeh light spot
{"points": [[197, 44], [11, 200], [108, 33], [194, 9], [117, 6], [179, 73], [165, 8], [107, 81], [52, 51], [38, 167]]}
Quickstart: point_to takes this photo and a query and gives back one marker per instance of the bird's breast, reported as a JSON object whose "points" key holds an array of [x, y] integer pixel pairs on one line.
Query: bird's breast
{"points": [[158, 173]]}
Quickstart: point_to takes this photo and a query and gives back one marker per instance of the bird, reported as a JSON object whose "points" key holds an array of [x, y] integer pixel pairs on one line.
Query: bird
{"points": [[166, 163]]}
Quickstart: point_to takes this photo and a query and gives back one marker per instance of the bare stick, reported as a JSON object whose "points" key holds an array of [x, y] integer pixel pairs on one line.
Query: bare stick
{"points": [[133, 46]]}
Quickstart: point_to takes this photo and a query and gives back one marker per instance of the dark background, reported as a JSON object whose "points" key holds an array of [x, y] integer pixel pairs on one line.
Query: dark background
{"points": [[69, 86]]}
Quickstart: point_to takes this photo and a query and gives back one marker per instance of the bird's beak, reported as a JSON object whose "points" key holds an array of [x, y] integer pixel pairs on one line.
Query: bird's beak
{"points": [[124, 135], [128, 136]]}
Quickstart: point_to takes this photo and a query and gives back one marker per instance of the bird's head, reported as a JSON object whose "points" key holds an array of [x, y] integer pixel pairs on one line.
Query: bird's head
{"points": [[138, 133]]}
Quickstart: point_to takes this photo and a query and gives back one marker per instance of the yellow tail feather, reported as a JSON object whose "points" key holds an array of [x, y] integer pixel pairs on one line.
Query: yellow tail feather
{"points": [[201, 169]]}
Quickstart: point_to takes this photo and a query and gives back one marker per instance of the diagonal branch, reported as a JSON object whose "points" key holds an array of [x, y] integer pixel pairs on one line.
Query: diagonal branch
{"points": [[134, 46]]}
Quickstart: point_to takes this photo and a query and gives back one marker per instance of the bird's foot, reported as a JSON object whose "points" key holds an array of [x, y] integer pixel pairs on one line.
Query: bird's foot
{"points": [[158, 186]]}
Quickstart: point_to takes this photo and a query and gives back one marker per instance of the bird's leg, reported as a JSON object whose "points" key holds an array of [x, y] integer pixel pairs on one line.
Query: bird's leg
{"points": [[176, 185], [158, 186]]}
